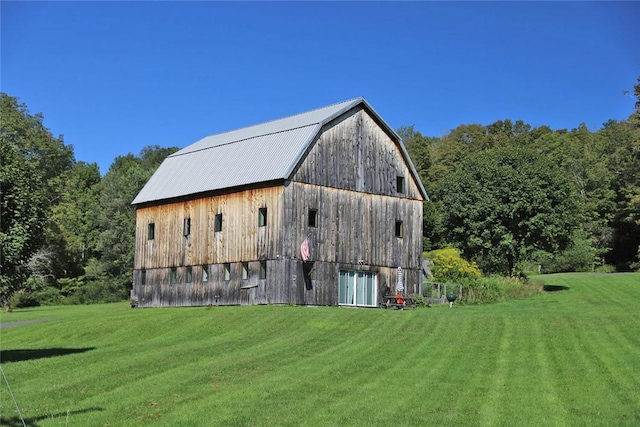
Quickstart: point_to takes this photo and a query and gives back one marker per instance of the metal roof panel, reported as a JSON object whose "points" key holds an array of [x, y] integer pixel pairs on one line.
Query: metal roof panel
{"points": [[258, 159], [319, 115]]}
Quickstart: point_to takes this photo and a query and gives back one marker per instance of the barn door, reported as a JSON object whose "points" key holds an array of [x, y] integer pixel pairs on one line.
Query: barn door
{"points": [[244, 296], [248, 295]]}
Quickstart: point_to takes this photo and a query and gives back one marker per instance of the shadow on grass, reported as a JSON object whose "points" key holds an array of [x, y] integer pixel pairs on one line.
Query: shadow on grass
{"points": [[20, 355], [15, 421], [554, 288]]}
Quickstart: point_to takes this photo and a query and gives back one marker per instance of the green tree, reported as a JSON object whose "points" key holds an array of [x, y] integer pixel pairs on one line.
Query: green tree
{"points": [[116, 242], [73, 229], [32, 159], [454, 147], [23, 217], [419, 148], [627, 185], [502, 206]]}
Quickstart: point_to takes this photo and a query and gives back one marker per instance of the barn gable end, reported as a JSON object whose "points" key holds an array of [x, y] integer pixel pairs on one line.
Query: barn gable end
{"points": [[354, 153]]}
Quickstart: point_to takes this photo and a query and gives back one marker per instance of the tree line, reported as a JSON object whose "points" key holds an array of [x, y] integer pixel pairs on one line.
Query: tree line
{"points": [[66, 232], [513, 197], [507, 195]]}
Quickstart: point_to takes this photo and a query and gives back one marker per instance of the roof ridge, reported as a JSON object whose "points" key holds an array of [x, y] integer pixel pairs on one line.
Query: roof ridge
{"points": [[235, 141], [286, 117]]}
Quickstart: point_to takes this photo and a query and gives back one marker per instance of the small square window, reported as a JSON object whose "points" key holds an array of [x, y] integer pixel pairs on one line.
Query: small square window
{"points": [[400, 184], [313, 217], [262, 217], [227, 272], [143, 277], [399, 229], [217, 224], [187, 227], [263, 269], [189, 275], [173, 278], [245, 270], [151, 231], [205, 273]]}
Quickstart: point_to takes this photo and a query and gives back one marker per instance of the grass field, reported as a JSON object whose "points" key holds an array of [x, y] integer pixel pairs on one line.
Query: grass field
{"points": [[567, 357]]}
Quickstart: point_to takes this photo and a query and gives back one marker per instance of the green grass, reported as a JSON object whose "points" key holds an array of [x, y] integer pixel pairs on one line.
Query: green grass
{"points": [[570, 357]]}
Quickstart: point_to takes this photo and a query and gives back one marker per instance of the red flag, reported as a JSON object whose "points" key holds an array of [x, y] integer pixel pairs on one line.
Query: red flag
{"points": [[304, 250]]}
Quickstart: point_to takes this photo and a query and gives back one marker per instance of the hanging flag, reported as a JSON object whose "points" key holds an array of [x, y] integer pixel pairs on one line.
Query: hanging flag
{"points": [[304, 249]]}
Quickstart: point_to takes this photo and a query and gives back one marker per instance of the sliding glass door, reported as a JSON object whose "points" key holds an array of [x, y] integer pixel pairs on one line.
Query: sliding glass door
{"points": [[357, 288]]}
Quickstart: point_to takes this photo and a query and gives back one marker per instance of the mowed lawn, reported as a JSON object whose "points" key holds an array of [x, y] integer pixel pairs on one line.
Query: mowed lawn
{"points": [[567, 357]]}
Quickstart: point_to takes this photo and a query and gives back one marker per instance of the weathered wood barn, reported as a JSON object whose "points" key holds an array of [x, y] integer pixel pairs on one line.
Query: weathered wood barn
{"points": [[319, 208]]}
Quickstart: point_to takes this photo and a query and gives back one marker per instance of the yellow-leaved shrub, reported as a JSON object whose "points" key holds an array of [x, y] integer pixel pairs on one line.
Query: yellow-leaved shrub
{"points": [[449, 266]]}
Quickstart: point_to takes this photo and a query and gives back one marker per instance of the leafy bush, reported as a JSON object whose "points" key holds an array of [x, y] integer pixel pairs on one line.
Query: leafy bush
{"points": [[23, 299], [495, 289], [48, 295], [450, 269], [635, 266], [580, 256], [605, 269], [449, 266], [69, 285], [419, 301], [99, 292]]}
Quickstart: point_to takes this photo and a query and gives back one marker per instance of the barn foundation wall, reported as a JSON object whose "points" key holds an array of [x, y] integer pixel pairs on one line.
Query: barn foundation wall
{"points": [[290, 281]]}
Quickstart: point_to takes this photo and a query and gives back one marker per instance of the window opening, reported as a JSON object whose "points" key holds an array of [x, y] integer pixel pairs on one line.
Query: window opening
{"points": [[173, 279], [205, 273], [187, 227], [262, 217], [313, 217], [263, 269], [217, 226], [399, 229], [189, 275], [151, 231], [400, 184], [245, 270], [227, 272]]}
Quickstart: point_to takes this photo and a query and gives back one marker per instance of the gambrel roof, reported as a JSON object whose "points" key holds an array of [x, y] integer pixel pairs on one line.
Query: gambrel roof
{"points": [[256, 154]]}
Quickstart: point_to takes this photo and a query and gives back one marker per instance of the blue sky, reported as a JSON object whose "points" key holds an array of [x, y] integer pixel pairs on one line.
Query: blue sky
{"points": [[113, 77]]}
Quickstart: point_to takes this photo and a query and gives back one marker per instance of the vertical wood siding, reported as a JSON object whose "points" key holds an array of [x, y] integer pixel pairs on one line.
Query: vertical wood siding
{"points": [[240, 239], [354, 153], [348, 176], [353, 228]]}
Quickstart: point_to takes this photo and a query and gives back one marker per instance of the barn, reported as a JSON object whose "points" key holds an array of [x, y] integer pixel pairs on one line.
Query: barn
{"points": [[318, 208]]}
